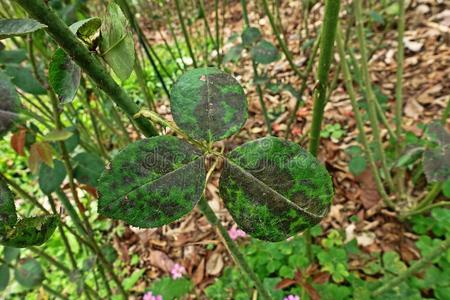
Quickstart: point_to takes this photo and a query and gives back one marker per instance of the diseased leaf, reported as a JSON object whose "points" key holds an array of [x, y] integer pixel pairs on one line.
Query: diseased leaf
{"points": [[233, 54], [15, 27], [58, 135], [8, 217], [32, 231], [88, 168], [208, 104], [4, 276], [117, 45], [274, 189], [13, 56], [264, 52], [40, 152], [9, 104], [250, 35], [29, 273], [152, 182], [436, 161], [436, 164], [87, 29], [50, 179], [23, 78], [64, 76]]}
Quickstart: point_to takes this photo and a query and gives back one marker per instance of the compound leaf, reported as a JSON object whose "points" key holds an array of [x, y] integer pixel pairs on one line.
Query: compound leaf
{"points": [[50, 179], [15, 27], [208, 104], [250, 35], [116, 44], [9, 103], [8, 217], [29, 273], [64, 76], [274, 188], [152, 182], [32, 231], [88, 168], [264, 52]]}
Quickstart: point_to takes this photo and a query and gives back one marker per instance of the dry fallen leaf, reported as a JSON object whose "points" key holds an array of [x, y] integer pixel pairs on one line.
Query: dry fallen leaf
{"points": [[215, 264]]}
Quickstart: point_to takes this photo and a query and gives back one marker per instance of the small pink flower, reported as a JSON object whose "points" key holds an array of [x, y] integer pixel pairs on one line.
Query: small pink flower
{"points": [[177, 271], [149, 296], [292, 297], [235, 233]]}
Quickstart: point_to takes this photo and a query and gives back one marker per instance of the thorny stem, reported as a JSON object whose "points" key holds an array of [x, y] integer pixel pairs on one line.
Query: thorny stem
{"points": [[370, 95], [417, 266], [280, 40], [303, 87], [255, 73], [359, 121], [81, 55], [185, 32], [327, 35]]}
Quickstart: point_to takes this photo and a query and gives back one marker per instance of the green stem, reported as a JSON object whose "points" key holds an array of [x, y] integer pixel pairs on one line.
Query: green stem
{"points": [[280, 40], [371, 99], [259, 89], [446, 112], [84, 58], [233, 248], [326, 52], [359, 120], [185, 32], [416, 267], [303, 87]]}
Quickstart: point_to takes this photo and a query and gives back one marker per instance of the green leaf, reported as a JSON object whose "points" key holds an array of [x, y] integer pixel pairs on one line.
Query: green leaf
{"points": [[170, 288], [58, 135], [4, 277], [13, 56], [64, 76], [446, 188], [392, 263], [152, 182], [410, 156], [31, 231], [23, 78], [273, 188], [208, 104], [116, 44], [10, 254], [87, 29], [233, 54], [88, 168], [250, 35], [264, 52], [130, 282], [50, 179], [29, 273], [357, 165], [9, 104], [8, 217], [16, 27]]}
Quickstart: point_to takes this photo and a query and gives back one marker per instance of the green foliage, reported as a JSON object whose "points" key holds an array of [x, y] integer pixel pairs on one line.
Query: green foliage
{"points": [[250, 35], [437, 159], [116, 44], [17, 27], [170, 288], [23, 78], [10, 104], [88, 168], [274, 188], [87, 30], [208, 104], [51, 178], [29, 273], [4, 276], [64, 76], [8, 217], [333, 131]]}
